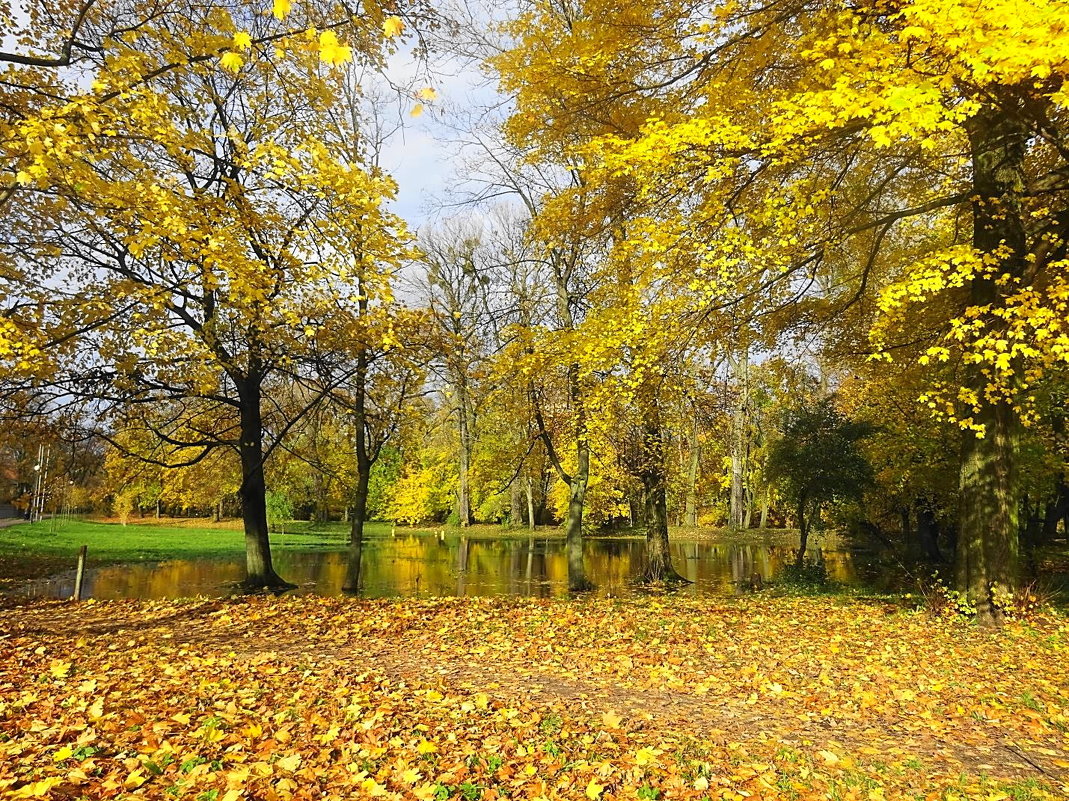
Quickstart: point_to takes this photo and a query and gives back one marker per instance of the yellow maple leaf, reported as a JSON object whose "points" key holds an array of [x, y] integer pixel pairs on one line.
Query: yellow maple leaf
{"points": [[645, 756], [416, 110], [66, 752], [426, 747], [594, 790], [231, 61], [242, 40], [60, 669], [331, 50], [290, 763], [611, 719], [282, 8], [392, 26], [427, 93]]}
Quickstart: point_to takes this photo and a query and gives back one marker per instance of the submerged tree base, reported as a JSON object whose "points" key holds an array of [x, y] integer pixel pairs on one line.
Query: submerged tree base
{"points": [[272, 583], [660, 576]]}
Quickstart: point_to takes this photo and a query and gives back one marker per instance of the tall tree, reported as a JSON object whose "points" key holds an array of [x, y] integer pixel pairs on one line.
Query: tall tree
{"points": [[201, 236]]}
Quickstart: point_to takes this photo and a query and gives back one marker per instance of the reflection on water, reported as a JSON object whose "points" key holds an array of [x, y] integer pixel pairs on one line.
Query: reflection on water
{"points": [[417, 564]]}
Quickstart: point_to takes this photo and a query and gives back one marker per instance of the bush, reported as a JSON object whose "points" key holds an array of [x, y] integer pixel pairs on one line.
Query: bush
{"points": [[809, 575]]}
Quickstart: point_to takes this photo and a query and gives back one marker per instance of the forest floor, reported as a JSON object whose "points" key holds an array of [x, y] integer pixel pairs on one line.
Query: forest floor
{"points": [[479, 699]]}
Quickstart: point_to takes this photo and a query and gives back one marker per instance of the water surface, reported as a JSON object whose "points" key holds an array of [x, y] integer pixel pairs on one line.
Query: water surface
{"points": [[408, 564]]}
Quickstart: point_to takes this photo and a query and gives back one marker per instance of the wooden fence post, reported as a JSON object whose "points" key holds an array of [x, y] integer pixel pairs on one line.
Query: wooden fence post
{"points": [[80, 573]]}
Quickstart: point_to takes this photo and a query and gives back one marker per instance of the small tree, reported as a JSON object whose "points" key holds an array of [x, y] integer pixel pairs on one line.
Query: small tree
{"points": [[279, 510], [817, 462]]}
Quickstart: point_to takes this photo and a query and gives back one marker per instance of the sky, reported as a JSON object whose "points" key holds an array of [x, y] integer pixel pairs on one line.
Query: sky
{"points": [[422, 155]]}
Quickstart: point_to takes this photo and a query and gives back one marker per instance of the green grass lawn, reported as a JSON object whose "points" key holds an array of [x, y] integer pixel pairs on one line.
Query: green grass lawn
{"points": [[36, 550], [32, 550]]}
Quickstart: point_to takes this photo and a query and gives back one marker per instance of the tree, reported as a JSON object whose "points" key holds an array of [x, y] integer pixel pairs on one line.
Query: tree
{"points": [[785, 143], [818, 462], [202, 236]]}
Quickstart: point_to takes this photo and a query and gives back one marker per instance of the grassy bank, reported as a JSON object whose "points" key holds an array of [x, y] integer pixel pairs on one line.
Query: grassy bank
{"points": [[40, 549], [478, 700]]}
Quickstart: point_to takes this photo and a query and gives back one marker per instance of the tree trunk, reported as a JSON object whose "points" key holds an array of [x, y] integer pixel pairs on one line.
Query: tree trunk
{"points": [[515, 504], [1057, 507], [739, 442], [259, 572], [463, 490], [573, 524], [987, 550], [803, 528], [764, 508], [363, 476], [530, 504], [692, 477], [658, 556], [928, 532]]}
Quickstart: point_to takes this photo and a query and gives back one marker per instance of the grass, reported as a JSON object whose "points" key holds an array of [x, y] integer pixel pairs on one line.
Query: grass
{"points": [[36, 550]]}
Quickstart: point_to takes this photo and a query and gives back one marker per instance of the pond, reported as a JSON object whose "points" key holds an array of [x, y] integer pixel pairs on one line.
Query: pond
{"points": [[451, 563]]}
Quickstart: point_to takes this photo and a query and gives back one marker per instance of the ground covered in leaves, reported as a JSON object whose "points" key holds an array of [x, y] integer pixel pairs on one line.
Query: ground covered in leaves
{"points": [[478, 699]]}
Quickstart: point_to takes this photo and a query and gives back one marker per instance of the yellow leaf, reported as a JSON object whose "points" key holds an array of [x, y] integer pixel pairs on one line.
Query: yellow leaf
{"points": [[66, 752], [417, 110], [232, 795], [372, 788], [231, 61], [282, 8], [646, 755], [242, 40], [829, 757], [60, 669], [392, 26], [331, 50], [135, 780], [427, 93], [611, 719], [594, 790], [290, 763], [426, 747], [38, 789]]}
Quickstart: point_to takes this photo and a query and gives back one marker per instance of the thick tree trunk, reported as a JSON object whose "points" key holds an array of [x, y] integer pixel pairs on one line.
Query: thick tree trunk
{"points": [[573, 524], [987, 548], [358, 507], [259, 572], [658, 557], [515, 504]]}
